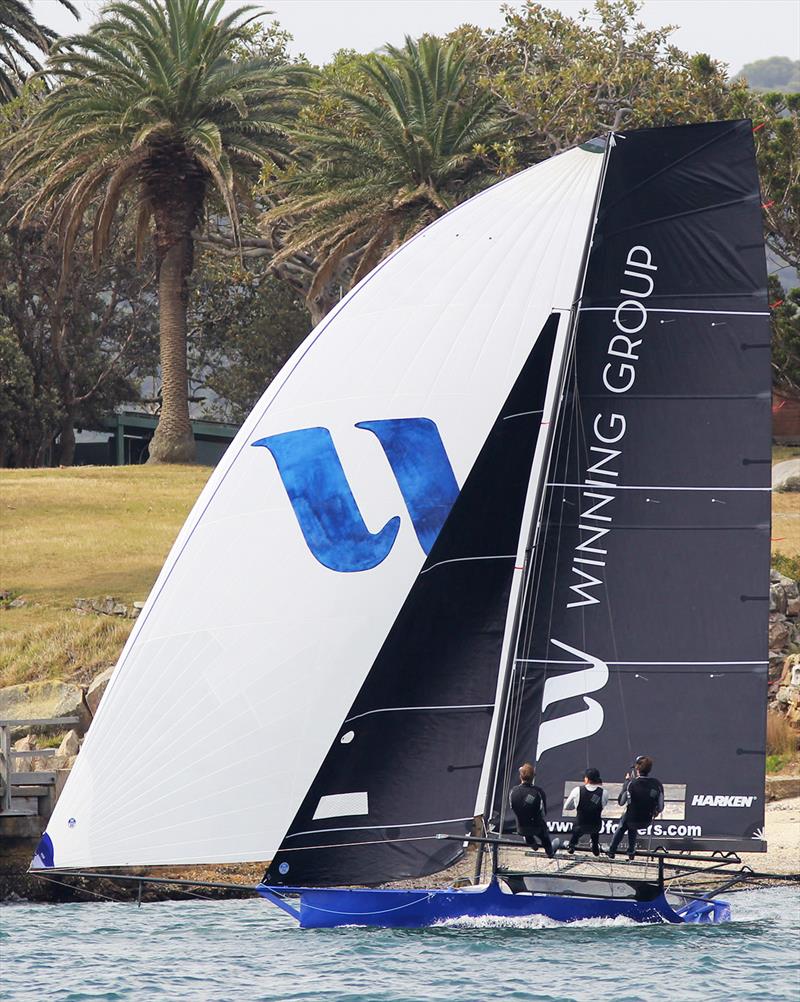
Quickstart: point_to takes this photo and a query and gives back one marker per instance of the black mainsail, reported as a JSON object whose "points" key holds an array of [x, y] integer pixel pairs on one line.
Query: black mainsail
{"points": [[646, 629]]}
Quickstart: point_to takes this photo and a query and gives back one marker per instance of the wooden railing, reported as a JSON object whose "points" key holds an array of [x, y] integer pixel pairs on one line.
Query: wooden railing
{"points": [[10, 777]]}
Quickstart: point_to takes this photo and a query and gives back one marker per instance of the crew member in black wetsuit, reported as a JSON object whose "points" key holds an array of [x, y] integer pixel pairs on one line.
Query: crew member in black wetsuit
{"points": [[529, 805], [589, 799], [643, 799]]}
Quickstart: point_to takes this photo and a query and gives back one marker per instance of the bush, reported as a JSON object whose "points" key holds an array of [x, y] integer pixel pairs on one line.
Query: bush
{"points": [[787, 565], [781, 737]]}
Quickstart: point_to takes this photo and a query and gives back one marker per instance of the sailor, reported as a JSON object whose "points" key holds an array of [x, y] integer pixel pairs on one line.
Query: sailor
{"points": [[643, 799], [589, 800], [529, 804]]}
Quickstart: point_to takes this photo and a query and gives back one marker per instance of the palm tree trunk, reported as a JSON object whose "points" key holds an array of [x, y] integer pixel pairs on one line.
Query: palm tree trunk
{"points": [[173, 441]]}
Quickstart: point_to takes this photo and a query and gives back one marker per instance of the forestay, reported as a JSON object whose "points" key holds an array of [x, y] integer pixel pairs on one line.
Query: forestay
{"points": [[294, 563]]}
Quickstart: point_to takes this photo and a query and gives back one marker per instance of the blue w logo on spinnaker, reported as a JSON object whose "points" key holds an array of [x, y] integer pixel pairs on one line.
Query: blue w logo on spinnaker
{"points": [[323, 502]]}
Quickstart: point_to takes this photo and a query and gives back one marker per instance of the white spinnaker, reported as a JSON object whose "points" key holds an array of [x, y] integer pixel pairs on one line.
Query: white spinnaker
{"points": [[249, 652]]}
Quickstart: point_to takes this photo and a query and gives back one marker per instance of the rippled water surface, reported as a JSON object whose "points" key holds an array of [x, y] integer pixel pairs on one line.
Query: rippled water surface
{"points": [[249, 950]]}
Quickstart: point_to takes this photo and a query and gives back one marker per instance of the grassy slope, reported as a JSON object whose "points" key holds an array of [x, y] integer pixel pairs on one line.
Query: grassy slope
{"points": [[94, 531], [85, 532]]}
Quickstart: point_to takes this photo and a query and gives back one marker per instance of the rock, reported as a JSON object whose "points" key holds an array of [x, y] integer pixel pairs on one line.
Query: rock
{"points": [[71, 761], [786, 475], [70, 745], [43, 700], [28, 743], [777, 599], [784, 695], [779, 632], [776, 666], [97, 687], [780, 787], [16, 603], [108, 606]]}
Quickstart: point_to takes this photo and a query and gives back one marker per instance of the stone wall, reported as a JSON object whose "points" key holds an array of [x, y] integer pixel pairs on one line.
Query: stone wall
{"points": [[784, 647]]}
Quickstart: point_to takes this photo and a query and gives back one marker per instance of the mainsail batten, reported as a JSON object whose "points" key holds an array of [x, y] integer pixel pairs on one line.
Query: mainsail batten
{"points": [[258, 633]]}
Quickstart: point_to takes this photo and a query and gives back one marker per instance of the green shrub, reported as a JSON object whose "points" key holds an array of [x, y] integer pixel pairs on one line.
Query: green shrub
{"points": [[787, 565]]}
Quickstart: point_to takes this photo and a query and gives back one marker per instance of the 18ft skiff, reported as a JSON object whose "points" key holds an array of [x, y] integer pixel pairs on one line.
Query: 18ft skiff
{"points": [[508, 502]]}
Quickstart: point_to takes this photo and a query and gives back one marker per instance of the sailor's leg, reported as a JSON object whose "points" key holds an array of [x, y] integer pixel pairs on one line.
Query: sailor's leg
{"points": [[615, 841], [574, 839], [596, 843], [544, 838], [632, 833]]}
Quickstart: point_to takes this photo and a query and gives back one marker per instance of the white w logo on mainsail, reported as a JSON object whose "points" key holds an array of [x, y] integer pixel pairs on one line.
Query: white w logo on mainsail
{"points": [[584, 723]]}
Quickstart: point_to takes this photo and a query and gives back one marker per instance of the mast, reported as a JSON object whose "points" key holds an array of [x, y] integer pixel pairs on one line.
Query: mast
{"points": [[532, 517]]}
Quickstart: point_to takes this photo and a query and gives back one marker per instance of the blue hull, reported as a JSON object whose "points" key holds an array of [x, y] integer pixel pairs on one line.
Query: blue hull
{"points": [[321, 908]]}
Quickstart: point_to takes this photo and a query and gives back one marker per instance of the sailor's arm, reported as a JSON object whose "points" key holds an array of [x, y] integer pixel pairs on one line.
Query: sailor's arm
{"points": [[624, 796], [572, 799]]}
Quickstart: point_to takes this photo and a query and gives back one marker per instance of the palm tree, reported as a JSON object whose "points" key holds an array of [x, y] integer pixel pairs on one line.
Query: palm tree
{"points": [[420, 136], [150, 113], [19, 30]]}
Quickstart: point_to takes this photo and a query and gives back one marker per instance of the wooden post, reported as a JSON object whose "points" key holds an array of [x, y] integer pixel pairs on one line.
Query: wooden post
{"points": [[5, 752]]}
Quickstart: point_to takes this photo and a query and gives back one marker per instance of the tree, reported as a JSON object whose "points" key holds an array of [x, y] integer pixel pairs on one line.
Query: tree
{"points": [[19, 31], [778, 73], [69, 353], [389, 144], [785, 309], [243, 325], [778, 149], [149, 105], [567, 78]]}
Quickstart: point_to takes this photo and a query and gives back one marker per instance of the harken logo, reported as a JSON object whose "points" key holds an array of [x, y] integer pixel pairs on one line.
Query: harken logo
{"points": [[720, 800], [323, 502]]}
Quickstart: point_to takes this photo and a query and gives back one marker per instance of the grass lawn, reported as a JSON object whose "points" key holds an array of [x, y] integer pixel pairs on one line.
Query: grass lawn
{"points": [[94, 531], [84, 532]]}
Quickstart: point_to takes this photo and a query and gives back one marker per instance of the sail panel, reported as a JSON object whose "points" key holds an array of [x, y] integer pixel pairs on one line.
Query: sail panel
{"points": [[414, 741], [284, 582], [647, 631]]}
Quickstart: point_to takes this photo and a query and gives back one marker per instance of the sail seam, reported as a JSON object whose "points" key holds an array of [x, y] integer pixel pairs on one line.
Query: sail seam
{"points": [[348, 845], [398, 709], [653, 309], [654, 487], [508, 417], [459, 560], [553, 661], [365, 828]]}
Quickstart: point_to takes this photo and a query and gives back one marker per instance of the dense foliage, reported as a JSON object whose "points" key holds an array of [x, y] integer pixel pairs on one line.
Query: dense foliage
{"points": [[173, 125], [151, 105], [20, 36]]}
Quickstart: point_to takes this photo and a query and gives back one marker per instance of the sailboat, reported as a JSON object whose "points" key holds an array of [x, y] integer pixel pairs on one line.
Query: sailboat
{"points": [[508, 502]]}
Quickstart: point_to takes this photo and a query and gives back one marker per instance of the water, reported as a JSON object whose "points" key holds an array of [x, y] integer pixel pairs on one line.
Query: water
{"points": [[222, 951]]}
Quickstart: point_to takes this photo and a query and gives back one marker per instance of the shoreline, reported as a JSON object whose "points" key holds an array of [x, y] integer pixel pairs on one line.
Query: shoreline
{"points": [[780, 864]]}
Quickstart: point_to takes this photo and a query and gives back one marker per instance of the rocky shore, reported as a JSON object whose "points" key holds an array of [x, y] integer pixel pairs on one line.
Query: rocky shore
{"points": [[50, 699]]}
